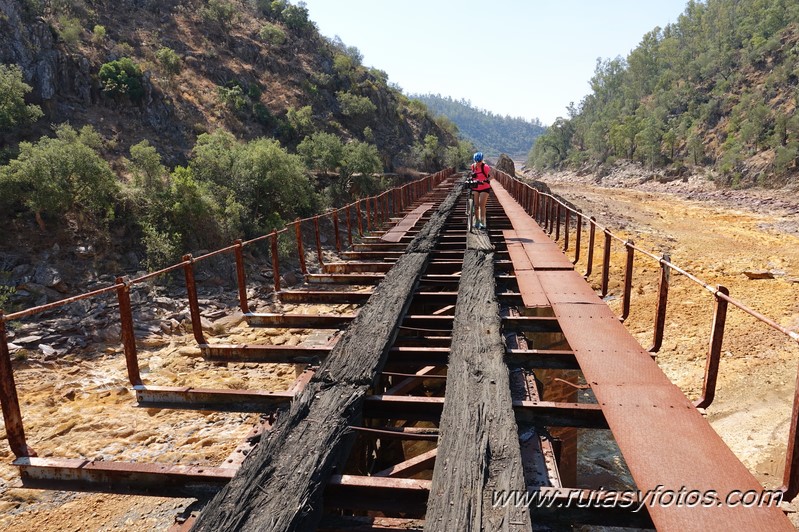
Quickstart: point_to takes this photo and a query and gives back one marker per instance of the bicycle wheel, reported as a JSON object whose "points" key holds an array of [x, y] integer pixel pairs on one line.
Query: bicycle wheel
{"points": [[469, 213]]}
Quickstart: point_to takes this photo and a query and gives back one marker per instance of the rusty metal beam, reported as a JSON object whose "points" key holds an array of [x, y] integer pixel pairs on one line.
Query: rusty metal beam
{"points": [[541, 359], [134, 478], [274, 354], [188, 398], [363, 278], [714, 350], [552, 414], [411, 466], [299, 321], [12, 416], [391, 496]]}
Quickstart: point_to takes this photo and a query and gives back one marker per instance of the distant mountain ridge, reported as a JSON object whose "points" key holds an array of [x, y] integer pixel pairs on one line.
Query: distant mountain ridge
{"points": [[490, 133]]}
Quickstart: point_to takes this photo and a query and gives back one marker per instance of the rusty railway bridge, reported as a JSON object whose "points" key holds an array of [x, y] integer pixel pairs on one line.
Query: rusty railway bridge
{"points": [[448, 400]]}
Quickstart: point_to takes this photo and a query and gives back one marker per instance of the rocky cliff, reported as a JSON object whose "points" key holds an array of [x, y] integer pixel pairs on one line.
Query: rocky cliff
{"points": [[218, 44]]}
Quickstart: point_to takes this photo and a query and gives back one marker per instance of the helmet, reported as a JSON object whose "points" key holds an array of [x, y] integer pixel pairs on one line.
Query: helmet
{"points": [[478, 157]]}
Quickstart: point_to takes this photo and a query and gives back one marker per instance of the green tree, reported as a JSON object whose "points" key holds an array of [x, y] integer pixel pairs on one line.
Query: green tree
{"points": [[14, 113], [271, 184], [63, 175], [98, 34], [213, 157], [301, 119], [146, 167], [220, 11], [360, 158], [122, 77], [322, 151]]}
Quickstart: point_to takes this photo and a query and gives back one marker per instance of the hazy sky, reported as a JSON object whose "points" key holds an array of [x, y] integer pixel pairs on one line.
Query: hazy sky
{"points": [[526, 58]]}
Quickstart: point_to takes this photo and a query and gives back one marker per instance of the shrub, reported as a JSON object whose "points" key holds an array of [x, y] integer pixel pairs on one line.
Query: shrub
{"points": [[272, 34], [296, 17], [146, 167], [300, 119], [162, 248], [232, 96], [61, 175], [219, 11], [98, 34], [70, 30], [122, 77], [169, 61], [322, 151], [14, 113], [353, 105]]}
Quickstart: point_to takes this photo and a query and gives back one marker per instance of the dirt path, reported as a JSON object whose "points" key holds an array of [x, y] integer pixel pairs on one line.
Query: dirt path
{"points": [[717, 240]]}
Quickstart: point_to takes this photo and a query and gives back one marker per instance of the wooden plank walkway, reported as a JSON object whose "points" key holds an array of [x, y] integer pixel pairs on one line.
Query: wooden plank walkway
{"points": [[281, 484], [665, 441], [478, 447], [396, 233]]}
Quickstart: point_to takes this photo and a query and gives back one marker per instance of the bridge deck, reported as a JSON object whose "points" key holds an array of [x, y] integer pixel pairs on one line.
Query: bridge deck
{"points": [[665, 441]]}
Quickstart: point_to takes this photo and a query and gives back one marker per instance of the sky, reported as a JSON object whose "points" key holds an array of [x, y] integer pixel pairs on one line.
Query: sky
{"points": [[522, 58]]}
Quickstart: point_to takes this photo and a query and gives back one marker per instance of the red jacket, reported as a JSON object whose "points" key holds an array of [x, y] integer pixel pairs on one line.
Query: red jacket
{"points": [[483, 171]]}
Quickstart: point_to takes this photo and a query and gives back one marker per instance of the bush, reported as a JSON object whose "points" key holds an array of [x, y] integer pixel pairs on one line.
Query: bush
{"points": [[300, 119], [322, 151], [296, 18], [272, 34], [353, 105], [122, 77], [169, 61], [233, 97], [162, 248], [98, 34], [14, 114], [219, 11], [265, 182], [146, 167], [62, 175], [70, 30]]}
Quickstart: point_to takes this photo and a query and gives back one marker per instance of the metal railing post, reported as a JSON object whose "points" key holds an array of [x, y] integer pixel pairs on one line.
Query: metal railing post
{"points": [[194, 303], [318, 242], [275, 262], [591, 240], [368, 216], [663, 299], [714, 351], [557, 221], [300, 249], [566, 227], [335, 230], [349, 226], [790, 477], [606, 263], [128, 336], [578, 237], [628, 280], [12, 416], [241, 277]]}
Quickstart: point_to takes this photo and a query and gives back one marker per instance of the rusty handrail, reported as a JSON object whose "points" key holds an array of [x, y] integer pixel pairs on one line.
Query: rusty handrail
{"points": [[670, 265], [721, 298], [9, 400]]}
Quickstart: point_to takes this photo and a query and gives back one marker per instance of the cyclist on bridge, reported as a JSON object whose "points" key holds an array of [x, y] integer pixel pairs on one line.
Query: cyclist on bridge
{"points": [[481, 173]]}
